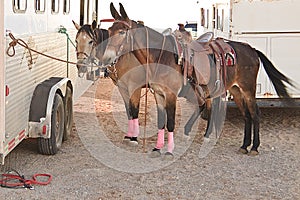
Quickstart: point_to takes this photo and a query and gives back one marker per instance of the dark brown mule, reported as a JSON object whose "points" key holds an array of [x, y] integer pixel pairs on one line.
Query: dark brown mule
{"points": [[90, 45], [240, 81], [156, 53]]}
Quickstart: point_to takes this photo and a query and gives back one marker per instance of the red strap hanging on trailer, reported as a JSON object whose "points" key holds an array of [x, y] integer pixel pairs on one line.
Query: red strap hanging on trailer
{"points": [[107, 20]]}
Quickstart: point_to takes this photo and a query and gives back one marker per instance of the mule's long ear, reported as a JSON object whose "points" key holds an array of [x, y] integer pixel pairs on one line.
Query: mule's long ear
{"points": [[76, 25], [114, 12], [94, 25], [123, 12]]}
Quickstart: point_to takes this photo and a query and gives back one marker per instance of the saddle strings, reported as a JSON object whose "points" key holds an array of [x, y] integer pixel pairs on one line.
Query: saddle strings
{"points": [[146, 92]]}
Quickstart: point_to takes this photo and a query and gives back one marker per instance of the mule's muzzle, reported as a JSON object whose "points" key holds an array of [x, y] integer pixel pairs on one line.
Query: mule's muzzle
{"points": [[109, 58], [108, 61], [82, 66]]}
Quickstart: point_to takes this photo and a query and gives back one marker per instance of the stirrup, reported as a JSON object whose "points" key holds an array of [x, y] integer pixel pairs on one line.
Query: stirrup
{"points": [[216, 88]]}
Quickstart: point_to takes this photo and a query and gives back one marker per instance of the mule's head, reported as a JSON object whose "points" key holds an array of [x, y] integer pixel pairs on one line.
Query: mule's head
{"points": [[86, 42], [119, 35]]}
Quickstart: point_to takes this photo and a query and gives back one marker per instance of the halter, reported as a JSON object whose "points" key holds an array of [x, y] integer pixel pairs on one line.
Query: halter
{"points": [[129, 38], [90, 58], [124, 22]]}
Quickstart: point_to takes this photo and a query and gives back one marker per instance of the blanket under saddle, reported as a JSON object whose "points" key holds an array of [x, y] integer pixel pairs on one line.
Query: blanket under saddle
{"points": [[198, 57]]}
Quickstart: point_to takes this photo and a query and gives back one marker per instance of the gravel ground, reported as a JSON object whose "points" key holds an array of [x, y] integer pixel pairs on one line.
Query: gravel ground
{"points": [[94, 164]]}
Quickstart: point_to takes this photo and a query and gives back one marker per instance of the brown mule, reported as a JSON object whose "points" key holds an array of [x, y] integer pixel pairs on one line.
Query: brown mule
{"points": [[240, 80], [161, 72], [90, 45]]}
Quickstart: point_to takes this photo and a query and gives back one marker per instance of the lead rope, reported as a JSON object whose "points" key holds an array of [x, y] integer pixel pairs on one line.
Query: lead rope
{"points": [[12, 179], [21, 42], [146, 93]]}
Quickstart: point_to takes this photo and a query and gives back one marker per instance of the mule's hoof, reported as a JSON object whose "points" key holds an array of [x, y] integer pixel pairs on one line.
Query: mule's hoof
{"points": [[133, 141], [168, 156], [253, 153], [155, 153], [243, 151], [126, 140]]}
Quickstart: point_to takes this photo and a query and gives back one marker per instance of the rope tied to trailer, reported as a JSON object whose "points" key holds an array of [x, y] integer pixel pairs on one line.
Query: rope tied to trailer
{"points": [[21, 42], [13, 179], [12, 45], [11, 50]]}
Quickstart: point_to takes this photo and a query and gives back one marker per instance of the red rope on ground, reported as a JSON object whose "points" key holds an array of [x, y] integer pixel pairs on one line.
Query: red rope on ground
{"points": [[16, 180]]}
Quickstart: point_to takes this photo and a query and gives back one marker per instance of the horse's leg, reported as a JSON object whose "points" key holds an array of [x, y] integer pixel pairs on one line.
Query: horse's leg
{"points": [[161, 117], [256, 140], [134, 104], [188, 126], [170, 109], [255, 115], [252, 117], [239, 101], [132, 115], [209, 124], [247, 130]]}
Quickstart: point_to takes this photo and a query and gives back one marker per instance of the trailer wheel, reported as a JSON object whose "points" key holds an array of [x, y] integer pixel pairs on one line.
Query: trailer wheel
{"points": [[51, 145], [68, 114]]}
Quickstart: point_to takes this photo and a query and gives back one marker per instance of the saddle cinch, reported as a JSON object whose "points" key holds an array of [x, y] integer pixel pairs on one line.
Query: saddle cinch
{"points": [[199, 53]]}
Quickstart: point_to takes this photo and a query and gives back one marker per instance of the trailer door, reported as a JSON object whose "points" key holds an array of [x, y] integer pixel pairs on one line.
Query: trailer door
{"points": [[2, 80]]}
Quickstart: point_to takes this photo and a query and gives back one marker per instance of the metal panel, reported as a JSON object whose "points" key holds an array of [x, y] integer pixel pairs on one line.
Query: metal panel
{"points": [[20, 75], [22, 80], [2, 80], [269, 25], [285, 55], [266, 16]]}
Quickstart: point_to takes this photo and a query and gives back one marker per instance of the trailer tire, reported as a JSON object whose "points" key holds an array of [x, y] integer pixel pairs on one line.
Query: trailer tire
{"points": [[68, 114], [50, 146]]}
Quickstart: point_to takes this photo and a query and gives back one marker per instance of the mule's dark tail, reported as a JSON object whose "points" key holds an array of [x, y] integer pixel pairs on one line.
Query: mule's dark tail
{"points": [[276, 77]]}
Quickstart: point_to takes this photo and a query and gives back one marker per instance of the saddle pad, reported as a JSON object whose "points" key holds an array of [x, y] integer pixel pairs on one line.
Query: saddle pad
{"points": [[202, 67]]}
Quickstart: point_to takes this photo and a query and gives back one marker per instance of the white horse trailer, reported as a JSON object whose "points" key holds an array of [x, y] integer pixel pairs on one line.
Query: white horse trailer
{"points": [[270, 26], [37, 93]]}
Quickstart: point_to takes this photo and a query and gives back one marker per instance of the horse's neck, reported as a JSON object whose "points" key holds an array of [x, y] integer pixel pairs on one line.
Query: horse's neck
{"points": [[146, 40], [102, 35]]}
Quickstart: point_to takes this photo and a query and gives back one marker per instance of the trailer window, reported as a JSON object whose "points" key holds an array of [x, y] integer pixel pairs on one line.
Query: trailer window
{"points": [[214, 18], [66, 6], [202, 17], [39, 6], [220, 16], [207, 18], [55, 6], [19, 6]]}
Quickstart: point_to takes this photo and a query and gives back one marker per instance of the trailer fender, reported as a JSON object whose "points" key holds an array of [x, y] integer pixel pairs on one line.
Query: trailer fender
{"points": [[42, 103]]}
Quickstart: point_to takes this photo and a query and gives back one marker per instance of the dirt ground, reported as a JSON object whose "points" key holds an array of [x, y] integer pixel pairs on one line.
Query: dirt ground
{"points": [[94, 164]]}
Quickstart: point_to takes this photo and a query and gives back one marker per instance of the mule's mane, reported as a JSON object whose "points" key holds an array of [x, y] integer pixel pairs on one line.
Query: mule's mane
{"points": [[99, 35], [87, 29]]}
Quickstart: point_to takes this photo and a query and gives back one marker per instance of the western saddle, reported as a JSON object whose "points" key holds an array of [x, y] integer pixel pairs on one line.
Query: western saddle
{"points": [[205, 62]]}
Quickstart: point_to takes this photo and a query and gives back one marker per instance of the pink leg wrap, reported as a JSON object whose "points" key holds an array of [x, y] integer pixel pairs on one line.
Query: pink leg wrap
{"points": [[170, 142], [130, 128], [136, 128], [160, 139]]}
